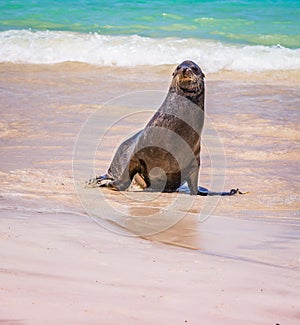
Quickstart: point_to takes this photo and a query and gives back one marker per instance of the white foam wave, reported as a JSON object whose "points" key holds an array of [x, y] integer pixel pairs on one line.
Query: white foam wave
{"points": [[46, 47]]}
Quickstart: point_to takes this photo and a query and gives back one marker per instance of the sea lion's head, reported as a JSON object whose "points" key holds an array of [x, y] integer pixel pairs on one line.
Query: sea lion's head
{"points": [[188, 81]]}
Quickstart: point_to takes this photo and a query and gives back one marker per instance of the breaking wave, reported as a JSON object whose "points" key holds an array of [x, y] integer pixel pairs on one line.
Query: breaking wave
{"points": [[48, 47]]}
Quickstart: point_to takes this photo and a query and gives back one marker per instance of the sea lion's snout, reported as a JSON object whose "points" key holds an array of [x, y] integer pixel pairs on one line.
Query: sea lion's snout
{"points": [[186, 72], [188, 79]]}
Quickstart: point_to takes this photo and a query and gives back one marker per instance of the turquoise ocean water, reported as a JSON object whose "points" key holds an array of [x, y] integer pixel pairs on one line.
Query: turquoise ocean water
{"points": [[232, 35]]}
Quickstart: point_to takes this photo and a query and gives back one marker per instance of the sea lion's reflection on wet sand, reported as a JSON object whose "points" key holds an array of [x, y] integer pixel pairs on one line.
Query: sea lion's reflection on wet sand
{"points": [[185, 233]]}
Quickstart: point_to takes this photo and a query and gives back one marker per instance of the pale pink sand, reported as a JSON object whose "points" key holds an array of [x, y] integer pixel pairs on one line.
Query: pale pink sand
{"points": [[64, 269]]}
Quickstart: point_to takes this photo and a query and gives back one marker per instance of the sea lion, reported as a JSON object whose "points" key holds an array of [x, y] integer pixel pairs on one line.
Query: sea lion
{"points": [[166, 153]]}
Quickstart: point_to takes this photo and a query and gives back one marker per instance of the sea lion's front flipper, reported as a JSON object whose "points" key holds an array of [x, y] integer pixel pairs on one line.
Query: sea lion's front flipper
{"points": [[119, 185], [192, 182], [99, 181]]}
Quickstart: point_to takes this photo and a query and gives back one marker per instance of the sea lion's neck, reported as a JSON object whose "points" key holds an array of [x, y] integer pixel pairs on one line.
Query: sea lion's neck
{"points": [[196, 97]]}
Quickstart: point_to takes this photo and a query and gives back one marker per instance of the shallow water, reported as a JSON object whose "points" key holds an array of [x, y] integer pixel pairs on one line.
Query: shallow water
{"points": [[44, 108]]}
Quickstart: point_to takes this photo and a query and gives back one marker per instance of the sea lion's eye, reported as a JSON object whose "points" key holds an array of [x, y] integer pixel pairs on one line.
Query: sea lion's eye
{"points": [[178, 67], [194, 69]]}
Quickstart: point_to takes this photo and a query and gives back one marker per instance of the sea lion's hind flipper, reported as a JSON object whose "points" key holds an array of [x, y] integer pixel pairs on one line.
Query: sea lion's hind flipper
{"points": [[202, 191], [233, 192], [205, 192], [99, 181]]}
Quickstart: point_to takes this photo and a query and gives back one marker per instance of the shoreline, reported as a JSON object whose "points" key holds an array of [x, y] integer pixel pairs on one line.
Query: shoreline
{"points": [[276, 77]]}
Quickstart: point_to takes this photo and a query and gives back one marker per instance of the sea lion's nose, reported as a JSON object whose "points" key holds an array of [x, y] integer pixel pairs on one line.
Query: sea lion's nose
{"points": [[185, 69]]}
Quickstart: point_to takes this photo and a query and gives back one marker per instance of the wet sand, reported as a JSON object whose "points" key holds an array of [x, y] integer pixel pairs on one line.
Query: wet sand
{"points": [[60, 266]]}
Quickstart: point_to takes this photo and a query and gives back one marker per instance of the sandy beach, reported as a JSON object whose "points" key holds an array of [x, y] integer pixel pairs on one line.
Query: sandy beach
{"points": [[238, 265]]}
